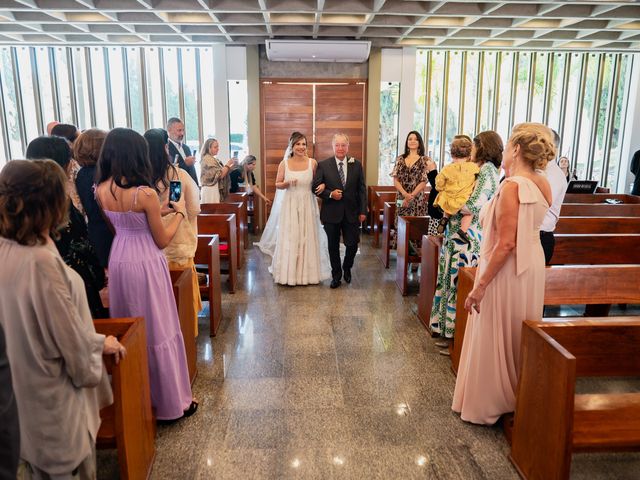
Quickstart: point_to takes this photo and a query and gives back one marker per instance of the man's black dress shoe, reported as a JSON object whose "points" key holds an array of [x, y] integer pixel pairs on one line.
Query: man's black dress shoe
{"points": [[334, 284], [347, 276]]}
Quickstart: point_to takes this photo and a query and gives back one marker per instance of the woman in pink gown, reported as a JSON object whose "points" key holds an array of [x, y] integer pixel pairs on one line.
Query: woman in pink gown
{"points": [[509, 285], [139, 281]]}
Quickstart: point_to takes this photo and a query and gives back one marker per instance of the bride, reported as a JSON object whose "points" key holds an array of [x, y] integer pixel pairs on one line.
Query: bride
{"points": [[292, 234]]}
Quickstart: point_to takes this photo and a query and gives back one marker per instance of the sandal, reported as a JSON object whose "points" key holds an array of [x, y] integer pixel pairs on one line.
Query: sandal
{"points": [[191, 410], [442, 224]]}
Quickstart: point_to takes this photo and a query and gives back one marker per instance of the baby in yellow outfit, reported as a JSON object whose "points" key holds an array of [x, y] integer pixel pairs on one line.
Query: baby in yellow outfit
{"points": [[455, 184]]}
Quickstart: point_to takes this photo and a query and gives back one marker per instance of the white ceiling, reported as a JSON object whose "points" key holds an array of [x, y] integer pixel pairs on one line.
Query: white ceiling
{"points": [[535, 24]]}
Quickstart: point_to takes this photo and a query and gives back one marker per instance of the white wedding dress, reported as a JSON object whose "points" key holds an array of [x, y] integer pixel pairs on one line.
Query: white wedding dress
{"points": [[293, 236]]}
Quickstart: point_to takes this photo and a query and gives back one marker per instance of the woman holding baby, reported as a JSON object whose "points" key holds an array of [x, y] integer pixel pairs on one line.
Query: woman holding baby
{"points": [[457, 252]]}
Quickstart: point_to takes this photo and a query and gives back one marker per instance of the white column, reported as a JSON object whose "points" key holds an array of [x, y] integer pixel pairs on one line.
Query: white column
{"points": [[407, 95], [631, 136], [221, 96]]}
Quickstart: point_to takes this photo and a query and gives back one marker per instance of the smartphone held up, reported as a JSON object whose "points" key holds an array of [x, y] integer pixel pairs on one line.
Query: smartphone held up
{"points": [[175, 190]]}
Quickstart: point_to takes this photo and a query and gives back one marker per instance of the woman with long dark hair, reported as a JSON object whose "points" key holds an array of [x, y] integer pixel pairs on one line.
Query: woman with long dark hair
{"points": [[139, 281], [410, 179]]}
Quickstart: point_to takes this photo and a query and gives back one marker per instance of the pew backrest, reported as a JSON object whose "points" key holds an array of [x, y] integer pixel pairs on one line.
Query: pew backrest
{"points": [[582, 225], [597, 249], [599, 210]]}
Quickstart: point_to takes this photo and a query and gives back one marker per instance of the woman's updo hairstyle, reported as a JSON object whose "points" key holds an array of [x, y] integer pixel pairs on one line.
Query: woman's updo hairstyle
{"points": [[33, 200], [461, 146], [535, 140], [489, 148]]}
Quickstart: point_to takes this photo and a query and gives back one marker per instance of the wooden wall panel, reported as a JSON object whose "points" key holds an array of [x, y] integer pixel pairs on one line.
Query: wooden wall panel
{"points": [[285, 108], [289, 106], [340, 108]]}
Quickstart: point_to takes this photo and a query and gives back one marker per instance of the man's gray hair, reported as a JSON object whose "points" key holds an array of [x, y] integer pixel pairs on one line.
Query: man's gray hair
{"points": [[335, 136], [172, 121]]}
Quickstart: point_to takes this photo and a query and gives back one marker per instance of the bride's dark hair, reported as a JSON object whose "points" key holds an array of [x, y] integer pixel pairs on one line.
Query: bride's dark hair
{"points": [[293, 139]]}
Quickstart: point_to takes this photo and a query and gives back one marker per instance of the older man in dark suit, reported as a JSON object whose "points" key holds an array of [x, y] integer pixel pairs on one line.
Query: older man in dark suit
{"points": [[179, 152], [344, 205]]}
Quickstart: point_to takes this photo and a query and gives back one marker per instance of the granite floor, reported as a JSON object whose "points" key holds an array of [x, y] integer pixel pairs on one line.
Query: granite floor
{"points": [[309, 382]]}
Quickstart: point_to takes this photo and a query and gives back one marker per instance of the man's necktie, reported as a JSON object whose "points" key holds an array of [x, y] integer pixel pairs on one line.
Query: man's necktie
{"points": [[341, 173]]}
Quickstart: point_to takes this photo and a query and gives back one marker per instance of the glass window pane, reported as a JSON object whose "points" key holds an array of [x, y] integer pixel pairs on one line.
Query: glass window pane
{"points": [[618, 122], [470, 94], [206, 83], [420, 93], [453, 99], [154, 88], [602, 117], [389, 115], [64, 92], [537, 105], [118, 94], [555, 90], [82, 91], [504, 100], [28, 97], [44, 81], [588, 99], [522, 89], [171, 82], [570, 107], [190, 88], [10, 103], [99, 85], [435, 105], [135, 89], [488, 93], [238, 113]]}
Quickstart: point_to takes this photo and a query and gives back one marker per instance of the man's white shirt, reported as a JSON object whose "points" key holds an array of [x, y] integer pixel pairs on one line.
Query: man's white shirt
{"points": [[558, 183], [179, 148]]}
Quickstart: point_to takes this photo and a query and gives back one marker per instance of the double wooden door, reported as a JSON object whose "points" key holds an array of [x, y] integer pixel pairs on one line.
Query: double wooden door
{"points": [[318, 110]]}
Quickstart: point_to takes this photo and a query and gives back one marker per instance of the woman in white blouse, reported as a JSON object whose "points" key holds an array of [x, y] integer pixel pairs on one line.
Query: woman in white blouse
{"points": [[55, 353]]}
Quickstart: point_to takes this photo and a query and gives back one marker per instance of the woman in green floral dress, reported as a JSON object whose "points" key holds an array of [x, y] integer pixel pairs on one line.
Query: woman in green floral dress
{"points": [[455, 253]]}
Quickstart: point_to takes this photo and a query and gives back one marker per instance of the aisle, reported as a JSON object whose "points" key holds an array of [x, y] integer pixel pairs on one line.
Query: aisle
{"points": [[309, 382]]}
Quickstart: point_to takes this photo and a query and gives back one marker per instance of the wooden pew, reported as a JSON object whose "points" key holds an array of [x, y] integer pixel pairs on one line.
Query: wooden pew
{"points": [[182, 281], [552, 421], [245, 198], [429, 257], [371, 198], [582, 225], [599, 210], [387, 225], [208, 256], [237, 208], [410, 229], [128, 425], [600, 197], [379, 199], [600, 249], [223, 225], [565, 285]]}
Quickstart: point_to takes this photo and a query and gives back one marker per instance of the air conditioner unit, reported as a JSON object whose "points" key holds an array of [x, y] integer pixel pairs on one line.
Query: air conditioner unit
{"points": [[352, 51]]}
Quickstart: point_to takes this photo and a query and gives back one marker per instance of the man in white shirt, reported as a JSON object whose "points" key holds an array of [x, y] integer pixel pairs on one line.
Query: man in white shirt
{"points": [[558, 183]]}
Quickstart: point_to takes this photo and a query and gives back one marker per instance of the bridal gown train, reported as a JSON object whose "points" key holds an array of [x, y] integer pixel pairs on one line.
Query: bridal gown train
{"points": [[293, 236]]}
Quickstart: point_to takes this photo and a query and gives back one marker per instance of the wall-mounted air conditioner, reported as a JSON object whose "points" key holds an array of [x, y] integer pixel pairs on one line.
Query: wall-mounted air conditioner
{"points": [[352, 51]]}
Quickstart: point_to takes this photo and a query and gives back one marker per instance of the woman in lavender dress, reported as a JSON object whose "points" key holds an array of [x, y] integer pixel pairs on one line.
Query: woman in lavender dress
{"points": [[139, 281]]}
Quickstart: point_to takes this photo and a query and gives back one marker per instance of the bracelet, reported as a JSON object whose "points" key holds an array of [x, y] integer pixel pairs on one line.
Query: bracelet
{"points": [[183, 215]]}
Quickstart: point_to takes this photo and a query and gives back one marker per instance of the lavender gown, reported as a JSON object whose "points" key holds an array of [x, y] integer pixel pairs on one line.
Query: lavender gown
{"points": [[140, 286]]}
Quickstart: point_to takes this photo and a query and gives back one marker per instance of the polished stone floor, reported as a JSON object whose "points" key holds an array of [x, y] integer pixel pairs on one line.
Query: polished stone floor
{"points": [[309, 382]]}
